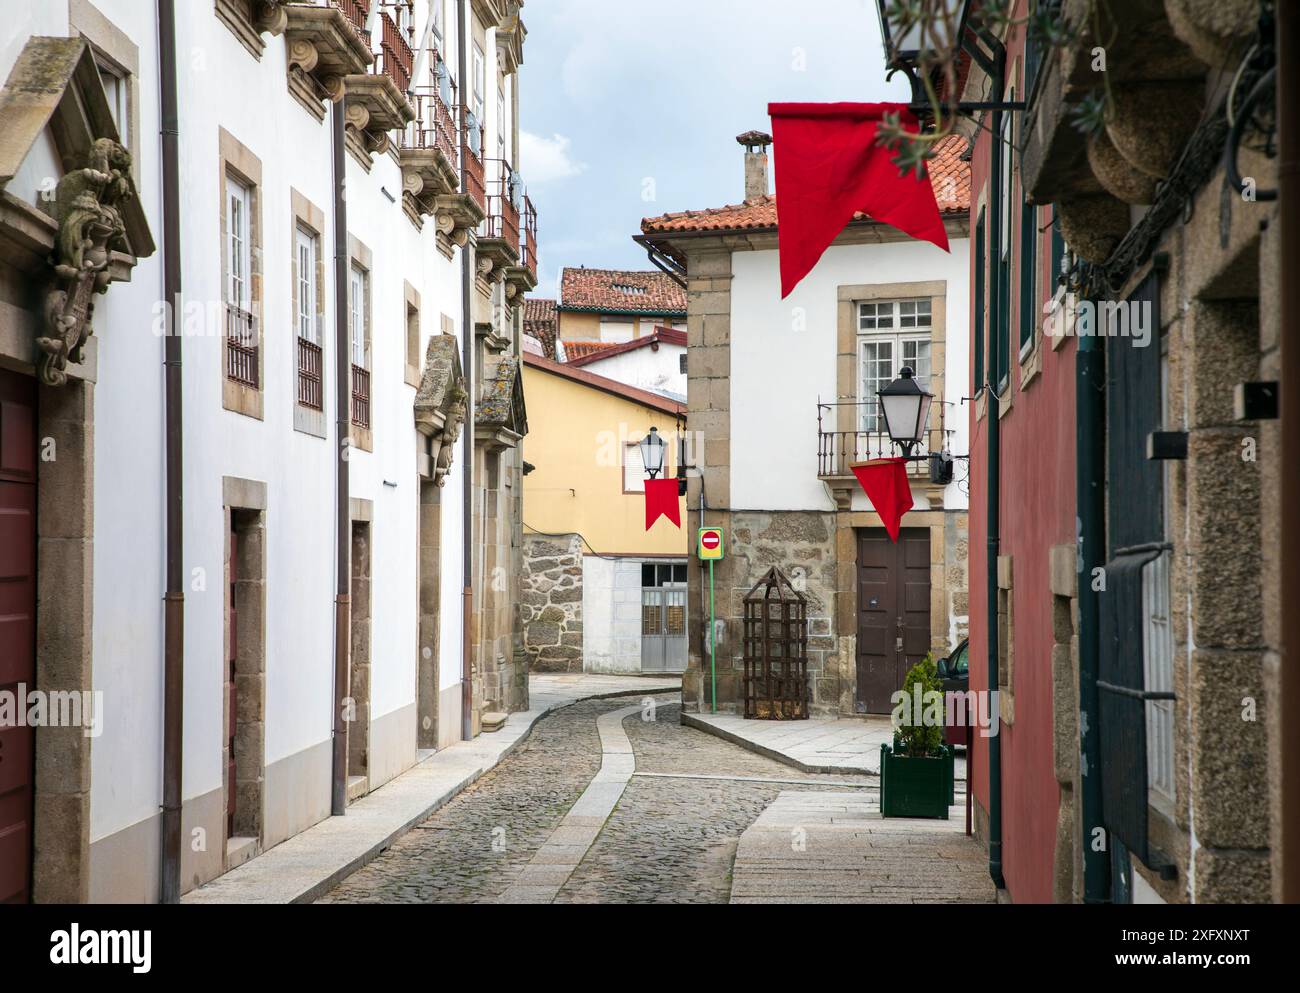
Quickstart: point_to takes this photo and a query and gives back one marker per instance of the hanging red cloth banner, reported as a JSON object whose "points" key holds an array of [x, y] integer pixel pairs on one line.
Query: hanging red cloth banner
{"points": [[885, 483], [828, 168], [661, 499]]}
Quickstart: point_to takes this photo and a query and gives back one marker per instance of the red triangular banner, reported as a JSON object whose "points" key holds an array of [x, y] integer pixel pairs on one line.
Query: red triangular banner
{"points": [[885, 483], [828, 167], [661, 499]]}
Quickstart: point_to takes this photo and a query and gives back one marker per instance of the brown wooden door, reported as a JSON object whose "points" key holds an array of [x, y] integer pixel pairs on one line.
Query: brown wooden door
{"points": [[893, 612], [17, 626], [232, 702]]}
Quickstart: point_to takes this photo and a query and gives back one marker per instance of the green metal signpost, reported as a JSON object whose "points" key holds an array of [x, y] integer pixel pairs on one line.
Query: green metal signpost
{"points": [[709, 548]]}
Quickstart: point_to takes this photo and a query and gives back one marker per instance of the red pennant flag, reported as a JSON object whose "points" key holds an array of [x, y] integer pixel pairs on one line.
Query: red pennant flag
{"points": [[885, 483], [829, 167], [661, 498]]}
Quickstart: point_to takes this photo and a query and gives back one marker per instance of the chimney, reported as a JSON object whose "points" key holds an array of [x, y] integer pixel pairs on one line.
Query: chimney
{"points": [[755, 143]]}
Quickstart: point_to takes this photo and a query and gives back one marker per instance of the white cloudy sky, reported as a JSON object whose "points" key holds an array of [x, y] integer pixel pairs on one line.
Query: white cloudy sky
{"points": [[627, 100]]}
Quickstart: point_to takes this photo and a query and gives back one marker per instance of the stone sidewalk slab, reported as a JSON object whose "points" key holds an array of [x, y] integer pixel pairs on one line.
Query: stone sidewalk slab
{"points": [[836, 848], [848, 744], [302, 868]]}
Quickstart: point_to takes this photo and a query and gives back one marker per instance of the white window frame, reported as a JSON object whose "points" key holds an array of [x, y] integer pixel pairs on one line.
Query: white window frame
{"points": [[501, 124], [307, 246], [439, 16], [480, 82], [119, 96], [871, 314], [239, 243], [358, 301]]}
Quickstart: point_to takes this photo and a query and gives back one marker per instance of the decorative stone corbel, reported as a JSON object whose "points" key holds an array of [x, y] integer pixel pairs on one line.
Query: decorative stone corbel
{"points": [[88, 202], [302, 54], [269, 17]]}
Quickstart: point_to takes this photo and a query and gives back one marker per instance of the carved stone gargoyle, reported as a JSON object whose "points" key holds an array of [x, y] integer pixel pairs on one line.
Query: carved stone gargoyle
{"points": [[88, 202]]}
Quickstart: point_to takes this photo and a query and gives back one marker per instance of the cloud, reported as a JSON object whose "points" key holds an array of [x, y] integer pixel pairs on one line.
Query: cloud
{"points": [[547, 159]]}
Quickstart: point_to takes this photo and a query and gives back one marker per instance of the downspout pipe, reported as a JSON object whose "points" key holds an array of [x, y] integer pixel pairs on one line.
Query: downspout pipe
{"points": [[174, 600], [1089, 390], [997, 326], [343, 518], [1287, 889], [467, 364]]}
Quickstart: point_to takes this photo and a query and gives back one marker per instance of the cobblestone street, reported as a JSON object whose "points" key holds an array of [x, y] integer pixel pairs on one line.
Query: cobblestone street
{"points": [[671, 837]]}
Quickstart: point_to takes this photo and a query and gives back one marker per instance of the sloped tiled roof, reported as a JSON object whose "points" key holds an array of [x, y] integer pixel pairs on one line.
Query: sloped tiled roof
{"points": [[620, 290], [583, 349], [576, 354], [539, 322], [949, 175], [646, 398]]}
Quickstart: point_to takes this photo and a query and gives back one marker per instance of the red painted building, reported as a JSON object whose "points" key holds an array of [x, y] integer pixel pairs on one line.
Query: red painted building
{"points": [[1026, 378]]}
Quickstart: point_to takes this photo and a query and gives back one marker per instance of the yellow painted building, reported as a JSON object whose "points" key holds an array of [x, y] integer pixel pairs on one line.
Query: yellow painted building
{"points": [[599, 592]]}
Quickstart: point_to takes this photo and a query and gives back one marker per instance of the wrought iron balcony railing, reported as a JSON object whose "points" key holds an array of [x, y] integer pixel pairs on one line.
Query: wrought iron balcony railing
{"points": [[311, 387], [435, 113], [502, 214], [241, 346], [360, 396], [475, 179], [839, 445], [357, 11], [528, 249], [396, 60]]}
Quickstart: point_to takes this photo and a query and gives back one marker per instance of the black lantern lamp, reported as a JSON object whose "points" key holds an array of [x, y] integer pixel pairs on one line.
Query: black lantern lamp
{"points": [[652, 453], [908, 45], [906, 407]]}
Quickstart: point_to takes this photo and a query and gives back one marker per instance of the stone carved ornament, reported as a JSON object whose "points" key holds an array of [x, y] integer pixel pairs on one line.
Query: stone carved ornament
{"points": [[441, 403], [88, 202]]}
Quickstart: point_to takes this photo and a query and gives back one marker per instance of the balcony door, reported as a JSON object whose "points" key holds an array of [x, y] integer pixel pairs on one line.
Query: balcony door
{"points": [[891, 334]]}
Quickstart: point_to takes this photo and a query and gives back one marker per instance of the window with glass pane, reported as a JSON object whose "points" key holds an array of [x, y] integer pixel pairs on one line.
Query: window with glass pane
{"points": [[357, 317], [891, 334], [307, 327], [238, 252], [877, 373], [116, 88]]}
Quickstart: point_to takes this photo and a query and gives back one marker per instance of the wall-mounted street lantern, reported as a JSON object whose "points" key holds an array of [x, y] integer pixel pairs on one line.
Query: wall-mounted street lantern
{"points": [[906, 407], [652, 453], [915, 33]]}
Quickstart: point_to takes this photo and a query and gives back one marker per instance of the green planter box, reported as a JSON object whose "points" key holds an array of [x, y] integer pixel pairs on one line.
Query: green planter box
{"points": [[911, 787]]}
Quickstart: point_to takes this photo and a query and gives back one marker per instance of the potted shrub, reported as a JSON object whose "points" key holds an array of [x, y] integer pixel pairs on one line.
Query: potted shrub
{"points": [[916, 772]]}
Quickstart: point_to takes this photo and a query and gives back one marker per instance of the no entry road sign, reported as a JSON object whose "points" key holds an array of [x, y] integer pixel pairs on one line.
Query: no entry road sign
{"points": [[710, 544]]}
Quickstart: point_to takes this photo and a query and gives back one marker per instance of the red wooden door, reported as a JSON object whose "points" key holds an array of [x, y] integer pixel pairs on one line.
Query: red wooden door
{"points": [[893, 612], [232, 704], [17, 626]]}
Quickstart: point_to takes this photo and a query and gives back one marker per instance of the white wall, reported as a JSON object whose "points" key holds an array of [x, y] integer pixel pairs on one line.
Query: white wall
{"points": [[646, 368], [611, 614], [783, 357], [222, 85]]}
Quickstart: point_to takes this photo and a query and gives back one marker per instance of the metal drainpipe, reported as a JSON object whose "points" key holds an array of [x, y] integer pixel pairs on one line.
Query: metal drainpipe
{"points": [[174, 601], [1288, 127], [1090, 449], [467, 362], [343, 515], [992, 409]]}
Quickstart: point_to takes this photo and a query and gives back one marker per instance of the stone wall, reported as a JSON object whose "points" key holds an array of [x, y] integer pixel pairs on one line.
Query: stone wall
{"points": [[551, 603], [817, 550]]}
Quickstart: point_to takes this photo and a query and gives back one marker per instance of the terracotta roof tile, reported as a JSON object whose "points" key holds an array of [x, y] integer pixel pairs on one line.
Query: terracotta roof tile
{"points": [[582, 349], [576, 354], [949, 175], [619, 289], [539, 322]]}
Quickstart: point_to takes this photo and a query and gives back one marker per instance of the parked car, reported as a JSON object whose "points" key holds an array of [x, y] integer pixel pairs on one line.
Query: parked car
{"points": [[954, 672]]}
